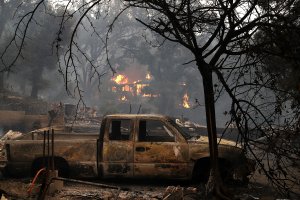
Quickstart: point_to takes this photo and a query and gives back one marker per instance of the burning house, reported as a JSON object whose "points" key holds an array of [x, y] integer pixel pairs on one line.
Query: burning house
{"points": [[134, 91], [130, 89]]}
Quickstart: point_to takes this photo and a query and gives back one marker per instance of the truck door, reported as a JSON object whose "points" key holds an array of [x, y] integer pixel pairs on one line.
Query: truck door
{"points": [[159, 151], [118, 148]]}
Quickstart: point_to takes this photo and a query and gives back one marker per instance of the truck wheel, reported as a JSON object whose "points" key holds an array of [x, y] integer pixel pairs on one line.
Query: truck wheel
{"points": [[36, 166], [201, 170], [59, 164], [62, 166]]}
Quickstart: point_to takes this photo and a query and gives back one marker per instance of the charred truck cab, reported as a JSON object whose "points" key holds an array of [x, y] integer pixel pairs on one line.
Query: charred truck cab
{"points": [[129, 146]]}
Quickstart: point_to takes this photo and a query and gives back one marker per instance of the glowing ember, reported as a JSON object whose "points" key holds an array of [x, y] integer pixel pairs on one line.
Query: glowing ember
{"points": [[123, 98], [148, 76], [126, 88], [139, 88], [114, 89], [151, 95], [147, 95], [120, 79], [185, 101]]}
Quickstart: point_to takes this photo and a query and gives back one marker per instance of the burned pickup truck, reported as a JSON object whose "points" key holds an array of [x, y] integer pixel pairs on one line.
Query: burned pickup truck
{"points": [[127, 145]]}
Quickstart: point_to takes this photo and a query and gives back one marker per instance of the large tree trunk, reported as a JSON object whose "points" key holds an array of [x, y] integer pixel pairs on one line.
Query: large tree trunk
{"points": [[215, 184]]}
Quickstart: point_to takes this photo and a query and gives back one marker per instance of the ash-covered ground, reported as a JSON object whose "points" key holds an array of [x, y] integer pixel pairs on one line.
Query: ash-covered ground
{"points": [[137, 189]]}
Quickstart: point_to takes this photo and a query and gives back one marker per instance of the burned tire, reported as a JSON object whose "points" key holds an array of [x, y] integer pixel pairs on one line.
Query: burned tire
{"points": [[59, 164], [201, 170], [226, 170]]}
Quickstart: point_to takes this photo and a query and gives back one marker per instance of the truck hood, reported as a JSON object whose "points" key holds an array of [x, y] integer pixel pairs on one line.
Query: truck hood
{"points": [[199, 148], [204, 139]]}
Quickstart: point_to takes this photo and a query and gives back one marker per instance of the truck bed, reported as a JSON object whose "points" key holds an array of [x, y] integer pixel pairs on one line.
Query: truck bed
{"points": [[77, 150], [65, 133]]}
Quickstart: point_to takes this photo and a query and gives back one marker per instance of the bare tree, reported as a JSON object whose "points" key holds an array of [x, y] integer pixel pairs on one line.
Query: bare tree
{"points": [[221, 36]]}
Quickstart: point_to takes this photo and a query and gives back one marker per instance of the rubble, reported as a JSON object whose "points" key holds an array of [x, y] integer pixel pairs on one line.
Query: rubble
{"points": [[136, 190], [178, 192], [173, 193]]}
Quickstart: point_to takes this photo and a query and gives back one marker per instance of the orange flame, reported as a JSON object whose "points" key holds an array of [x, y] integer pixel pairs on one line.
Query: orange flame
{"points": [[185, 101], [126, 88], [139, 88], [120, 79], [135, 87]]}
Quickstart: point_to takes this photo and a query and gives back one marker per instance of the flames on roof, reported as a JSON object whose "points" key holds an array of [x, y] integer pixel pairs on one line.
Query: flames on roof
{"points": [[127, 89]]}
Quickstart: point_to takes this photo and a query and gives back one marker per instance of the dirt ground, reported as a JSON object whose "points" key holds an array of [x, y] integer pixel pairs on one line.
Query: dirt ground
{"points": [[135, 189]]}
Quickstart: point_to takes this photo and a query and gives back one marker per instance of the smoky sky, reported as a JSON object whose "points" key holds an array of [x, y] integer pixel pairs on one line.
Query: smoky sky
{"points": [[130, 53]]}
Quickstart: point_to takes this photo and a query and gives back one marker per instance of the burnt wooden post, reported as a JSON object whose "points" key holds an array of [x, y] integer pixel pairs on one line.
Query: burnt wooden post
{"points": [[48, 150], [44, 149], [52, 146]]}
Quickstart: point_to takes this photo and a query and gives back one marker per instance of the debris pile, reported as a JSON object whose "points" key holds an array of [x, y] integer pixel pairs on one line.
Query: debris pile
{"points": [[178, 192], [10, 135], [22, 113]]}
